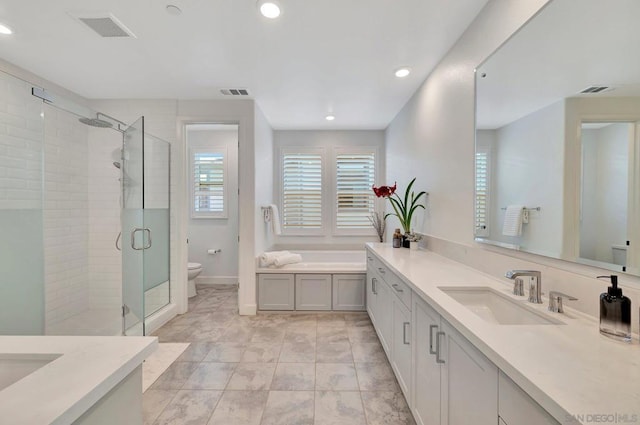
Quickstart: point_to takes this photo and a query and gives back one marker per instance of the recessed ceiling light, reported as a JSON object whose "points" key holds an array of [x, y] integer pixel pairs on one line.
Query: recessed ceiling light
{"points": [[403, 72], [172, 9], [269, 8], [330, 117], [5, 30]]}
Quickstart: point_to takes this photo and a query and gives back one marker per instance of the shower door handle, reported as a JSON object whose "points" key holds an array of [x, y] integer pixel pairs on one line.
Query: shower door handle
{"points": [[133, 238]]}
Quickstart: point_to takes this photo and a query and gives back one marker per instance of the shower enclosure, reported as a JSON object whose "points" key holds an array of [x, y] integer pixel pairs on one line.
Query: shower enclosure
{"points": [[84, 217]]}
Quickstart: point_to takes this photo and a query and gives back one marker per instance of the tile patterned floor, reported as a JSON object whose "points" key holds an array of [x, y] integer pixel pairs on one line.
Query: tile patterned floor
{"points": [[273, 369]]}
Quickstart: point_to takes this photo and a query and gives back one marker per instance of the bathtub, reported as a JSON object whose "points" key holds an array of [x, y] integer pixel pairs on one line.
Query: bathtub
{"points": [[353, 261]]}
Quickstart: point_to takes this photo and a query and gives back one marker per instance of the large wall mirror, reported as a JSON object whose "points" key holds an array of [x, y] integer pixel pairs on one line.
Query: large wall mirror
{"points": [[558, 136]]}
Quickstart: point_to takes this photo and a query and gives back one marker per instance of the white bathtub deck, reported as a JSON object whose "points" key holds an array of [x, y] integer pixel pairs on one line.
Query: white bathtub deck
{"points": [[323, 262]]}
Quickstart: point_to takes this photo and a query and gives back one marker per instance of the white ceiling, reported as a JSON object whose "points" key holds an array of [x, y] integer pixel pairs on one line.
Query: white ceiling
{"points": [[319, 57], [569, 46]]}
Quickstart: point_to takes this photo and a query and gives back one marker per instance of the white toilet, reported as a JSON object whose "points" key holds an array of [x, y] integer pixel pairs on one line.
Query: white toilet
{"points": [[194, 270]]}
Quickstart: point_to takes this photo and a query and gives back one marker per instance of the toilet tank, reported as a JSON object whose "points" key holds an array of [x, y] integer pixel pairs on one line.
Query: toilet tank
{"points": [[619, 254]]}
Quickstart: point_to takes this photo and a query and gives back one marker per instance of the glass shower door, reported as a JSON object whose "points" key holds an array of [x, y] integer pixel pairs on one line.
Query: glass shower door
{"points": [[156, 221], [145, 226], [135, 237]]}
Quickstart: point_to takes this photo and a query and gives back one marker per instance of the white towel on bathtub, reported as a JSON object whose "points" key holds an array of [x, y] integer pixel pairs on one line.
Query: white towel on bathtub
{"points": [[268, 258], [283, 260], [513, 220]]}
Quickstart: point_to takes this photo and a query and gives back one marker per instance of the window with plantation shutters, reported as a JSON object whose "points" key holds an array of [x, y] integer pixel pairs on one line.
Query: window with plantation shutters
{"points": [[209, 174], [355, 200], [482, 192], [302, 190]]}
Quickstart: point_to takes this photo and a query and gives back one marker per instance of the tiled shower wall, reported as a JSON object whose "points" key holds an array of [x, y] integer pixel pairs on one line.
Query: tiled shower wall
{"points": [[66, 227], [105, 261]]}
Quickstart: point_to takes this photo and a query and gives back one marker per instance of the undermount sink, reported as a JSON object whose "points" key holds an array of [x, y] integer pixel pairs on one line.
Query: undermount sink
{"points": [[495, 307], [14, 367]]}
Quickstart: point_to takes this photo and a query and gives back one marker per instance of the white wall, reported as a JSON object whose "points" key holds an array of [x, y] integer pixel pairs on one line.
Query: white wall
{"points": [[528, 164], [264, 237], [433, 138], [329, 140], [217, 233]]}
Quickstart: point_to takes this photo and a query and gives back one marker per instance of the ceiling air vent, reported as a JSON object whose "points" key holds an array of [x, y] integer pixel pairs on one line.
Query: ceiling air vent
{"points": [[235, 92], [105, 25], [594, 89]]}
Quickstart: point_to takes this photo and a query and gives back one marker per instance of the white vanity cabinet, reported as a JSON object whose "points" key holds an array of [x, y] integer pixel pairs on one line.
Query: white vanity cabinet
{"points": [[384, 315], [469, 381], [372, 280], [389, 306], [425, 405], [401, 345], [515, 407], [444, 377], [453, 383]]}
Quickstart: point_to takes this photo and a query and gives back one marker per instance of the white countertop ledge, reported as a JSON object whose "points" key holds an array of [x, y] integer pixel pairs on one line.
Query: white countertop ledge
{"points": [[569, 369], [62, 390]]}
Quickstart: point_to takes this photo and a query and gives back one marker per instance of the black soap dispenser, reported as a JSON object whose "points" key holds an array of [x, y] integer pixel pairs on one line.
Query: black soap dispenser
{"points": [[615, 312]]}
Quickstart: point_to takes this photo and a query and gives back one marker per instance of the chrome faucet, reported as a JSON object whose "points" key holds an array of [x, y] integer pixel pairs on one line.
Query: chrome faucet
{"points": [[555, 301], [535, 284]]}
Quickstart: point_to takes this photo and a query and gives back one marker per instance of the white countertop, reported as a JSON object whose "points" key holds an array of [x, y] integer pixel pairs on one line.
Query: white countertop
{"points": [[568, 369], [62, 390]]}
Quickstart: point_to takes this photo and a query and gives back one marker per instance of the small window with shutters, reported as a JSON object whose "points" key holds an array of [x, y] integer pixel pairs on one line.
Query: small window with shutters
{"points": [[483, 157], [302, 191], [209, 176], [355, 200]]}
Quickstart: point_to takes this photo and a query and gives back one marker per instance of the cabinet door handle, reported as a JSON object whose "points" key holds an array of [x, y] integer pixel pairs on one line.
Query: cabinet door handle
{"points": [[404, 332], [431, 328], [397, 287], [374, 281], [381, 270], [438, 359], [370, 258]]}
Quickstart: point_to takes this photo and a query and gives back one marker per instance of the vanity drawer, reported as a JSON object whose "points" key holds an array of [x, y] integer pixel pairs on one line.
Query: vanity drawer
{"points": [[375, 264], [398, 287]]}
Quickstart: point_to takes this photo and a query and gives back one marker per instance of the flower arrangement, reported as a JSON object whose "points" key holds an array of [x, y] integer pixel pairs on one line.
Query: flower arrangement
{"points": [[403, 208]]}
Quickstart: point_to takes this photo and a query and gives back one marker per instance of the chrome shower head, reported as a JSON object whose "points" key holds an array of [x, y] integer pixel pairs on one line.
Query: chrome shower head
{"points": [[96, 122]]}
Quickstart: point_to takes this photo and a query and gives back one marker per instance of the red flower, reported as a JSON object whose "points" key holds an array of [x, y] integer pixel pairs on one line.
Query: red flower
{"points": [[384, 191]]}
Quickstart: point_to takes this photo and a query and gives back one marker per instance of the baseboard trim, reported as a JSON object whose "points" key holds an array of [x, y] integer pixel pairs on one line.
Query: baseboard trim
{"points": [[248, 309], [217, 280]]}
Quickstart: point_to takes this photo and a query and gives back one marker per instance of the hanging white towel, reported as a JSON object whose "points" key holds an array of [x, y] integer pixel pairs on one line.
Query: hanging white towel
{"points": [[275, 219], [513, 220], [287, 259], [268, 258]]}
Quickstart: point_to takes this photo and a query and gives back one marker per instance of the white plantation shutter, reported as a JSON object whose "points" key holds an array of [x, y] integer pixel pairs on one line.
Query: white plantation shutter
{"points": [[208, 190], [355, 200], [482, 192], [302, 190]]}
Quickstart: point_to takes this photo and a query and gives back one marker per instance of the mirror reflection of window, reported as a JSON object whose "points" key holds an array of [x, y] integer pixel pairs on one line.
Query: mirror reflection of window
{"points": [[605, 191]]}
